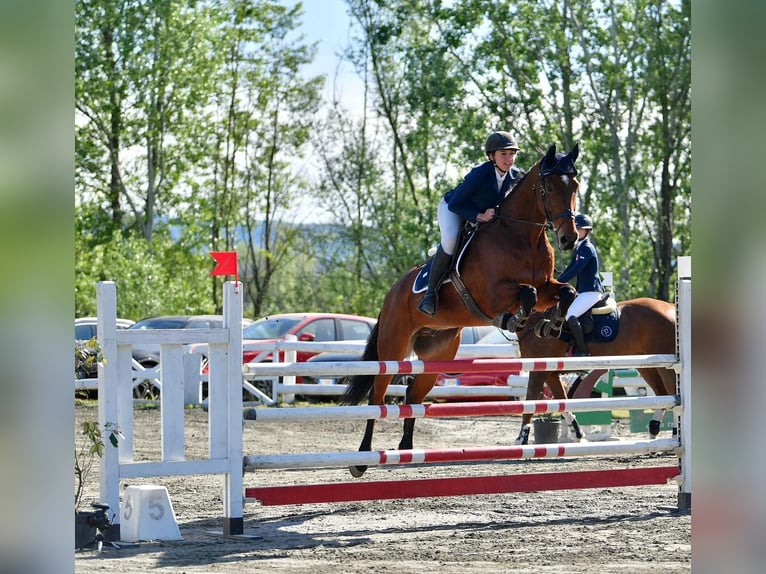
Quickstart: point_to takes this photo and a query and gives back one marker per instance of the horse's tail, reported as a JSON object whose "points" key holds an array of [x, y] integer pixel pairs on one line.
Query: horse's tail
{"points": [[360, 385]]}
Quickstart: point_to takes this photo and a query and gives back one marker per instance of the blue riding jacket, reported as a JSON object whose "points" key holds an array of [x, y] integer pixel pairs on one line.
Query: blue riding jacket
{"points": [[584, 265], [478, 191]]}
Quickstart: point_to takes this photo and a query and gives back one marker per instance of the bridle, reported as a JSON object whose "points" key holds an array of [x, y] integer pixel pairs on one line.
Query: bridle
{"points": [[549, 219]]}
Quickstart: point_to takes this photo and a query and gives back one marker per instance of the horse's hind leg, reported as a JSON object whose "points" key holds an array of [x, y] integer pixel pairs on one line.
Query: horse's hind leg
{"points": [[358, 471], [662, 382], [558, 390], [534, 393], [377, 397], [416, 394], [433, 346], [574, 426]]}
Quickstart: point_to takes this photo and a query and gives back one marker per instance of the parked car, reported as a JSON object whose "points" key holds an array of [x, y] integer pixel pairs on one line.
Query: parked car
{"points": [[470, 336], [319, 327], [493, 336], [85, 330], [148, 356]]}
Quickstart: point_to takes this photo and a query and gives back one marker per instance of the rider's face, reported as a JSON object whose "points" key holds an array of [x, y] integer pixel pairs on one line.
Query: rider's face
{"points": [[504, 158]]}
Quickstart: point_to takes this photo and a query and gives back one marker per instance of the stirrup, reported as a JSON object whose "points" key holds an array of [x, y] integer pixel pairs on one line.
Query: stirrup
{"points": [[427, 304]]}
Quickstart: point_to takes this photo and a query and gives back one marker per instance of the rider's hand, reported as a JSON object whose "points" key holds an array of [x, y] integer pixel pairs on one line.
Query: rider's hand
{"points": [[486, 216]]}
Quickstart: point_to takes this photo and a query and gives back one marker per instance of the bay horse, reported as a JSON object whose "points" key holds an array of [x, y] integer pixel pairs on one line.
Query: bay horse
{"points": [[506, 269], [646, 327]]}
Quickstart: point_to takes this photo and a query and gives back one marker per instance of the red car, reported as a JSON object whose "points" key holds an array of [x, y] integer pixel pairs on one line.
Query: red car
{"points": [[472, 337], [319, 327], [490, 336]]}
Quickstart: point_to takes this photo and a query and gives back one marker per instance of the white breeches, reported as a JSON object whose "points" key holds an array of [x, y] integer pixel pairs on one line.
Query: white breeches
{"points": [[582, 303], [450, 224]]}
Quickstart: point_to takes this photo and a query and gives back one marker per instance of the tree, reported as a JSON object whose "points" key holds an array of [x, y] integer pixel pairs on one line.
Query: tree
{"points": [[263, 110], [142, 74]]}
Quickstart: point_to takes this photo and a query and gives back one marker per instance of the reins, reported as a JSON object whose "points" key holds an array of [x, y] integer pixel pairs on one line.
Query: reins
{"points": [[549, 219]]}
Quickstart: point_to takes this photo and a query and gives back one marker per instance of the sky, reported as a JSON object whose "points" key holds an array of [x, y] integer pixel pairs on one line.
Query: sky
{"points": [[327, 22]]}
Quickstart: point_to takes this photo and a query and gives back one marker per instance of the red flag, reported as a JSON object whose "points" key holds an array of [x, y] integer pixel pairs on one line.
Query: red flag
{"points": [[227, 263]]}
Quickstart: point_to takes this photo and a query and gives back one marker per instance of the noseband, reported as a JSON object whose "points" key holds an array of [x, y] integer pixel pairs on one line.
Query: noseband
{"points": [[549, 219]]}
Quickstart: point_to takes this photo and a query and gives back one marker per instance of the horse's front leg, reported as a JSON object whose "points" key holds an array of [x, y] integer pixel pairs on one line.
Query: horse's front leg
{"points": [[518, 320], [566, 294]]}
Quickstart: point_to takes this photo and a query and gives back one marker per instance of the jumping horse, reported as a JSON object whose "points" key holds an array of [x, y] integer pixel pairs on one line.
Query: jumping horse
{"points": [[503, 273], [640, 326]]}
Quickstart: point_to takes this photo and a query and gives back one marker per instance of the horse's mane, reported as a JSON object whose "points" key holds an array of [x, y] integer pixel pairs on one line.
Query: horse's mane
{"points": [[518, 184]]}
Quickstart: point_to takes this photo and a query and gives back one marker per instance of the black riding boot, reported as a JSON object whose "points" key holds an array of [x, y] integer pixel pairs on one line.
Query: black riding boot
{"points": [[578, 338], [439, 269]]}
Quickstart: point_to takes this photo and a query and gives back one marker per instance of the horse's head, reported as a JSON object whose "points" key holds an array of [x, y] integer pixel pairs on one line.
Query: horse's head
{"points": [[558, 192]]}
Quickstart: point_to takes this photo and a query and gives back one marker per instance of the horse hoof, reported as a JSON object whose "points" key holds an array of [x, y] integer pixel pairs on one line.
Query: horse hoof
{"points": [[523, 438], [357, 471]]}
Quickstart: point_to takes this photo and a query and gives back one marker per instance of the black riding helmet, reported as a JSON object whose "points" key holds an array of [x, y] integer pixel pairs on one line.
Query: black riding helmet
{"points": [[582, 221], [500, 140]]}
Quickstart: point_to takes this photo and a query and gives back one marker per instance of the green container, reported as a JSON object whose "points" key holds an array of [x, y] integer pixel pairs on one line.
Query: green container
{"points": [[594, 418], [604, 386], [639, 420]]}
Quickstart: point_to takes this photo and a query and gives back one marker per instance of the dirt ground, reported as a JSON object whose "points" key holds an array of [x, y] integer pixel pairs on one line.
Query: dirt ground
{"points": [[614, 530]]}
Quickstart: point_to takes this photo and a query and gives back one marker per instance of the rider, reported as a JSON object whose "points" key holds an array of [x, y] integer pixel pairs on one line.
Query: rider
{"points": [[584, 265], [474, 200]]}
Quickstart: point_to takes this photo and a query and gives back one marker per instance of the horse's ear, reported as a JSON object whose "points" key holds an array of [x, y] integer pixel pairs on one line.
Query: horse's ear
{"points": [[550, 155], [549, 161], [575, 152]]}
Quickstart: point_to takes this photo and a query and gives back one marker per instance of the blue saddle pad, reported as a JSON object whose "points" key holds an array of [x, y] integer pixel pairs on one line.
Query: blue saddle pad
{"points": [[421, 280], [605, 329]]}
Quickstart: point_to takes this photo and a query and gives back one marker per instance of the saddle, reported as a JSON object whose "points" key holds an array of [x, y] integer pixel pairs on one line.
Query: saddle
{"points": [[600, 323], [466, 234], [453, 276]]}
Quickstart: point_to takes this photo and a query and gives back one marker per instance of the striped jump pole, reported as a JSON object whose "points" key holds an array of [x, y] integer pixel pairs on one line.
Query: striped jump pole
{"points": [[468, 454], [437, 410], [334, 368], [458, 486]]}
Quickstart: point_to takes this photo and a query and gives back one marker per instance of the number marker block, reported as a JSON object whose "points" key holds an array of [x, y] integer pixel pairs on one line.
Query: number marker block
{"points": [[147, 514]]}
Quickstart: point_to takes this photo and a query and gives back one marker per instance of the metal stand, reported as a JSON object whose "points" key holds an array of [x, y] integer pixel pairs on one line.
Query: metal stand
{"points": [[101, 522]]}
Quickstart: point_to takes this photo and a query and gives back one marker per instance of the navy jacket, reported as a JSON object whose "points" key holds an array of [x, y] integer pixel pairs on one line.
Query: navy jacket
{"points": [[478, 191], [584, 265]]}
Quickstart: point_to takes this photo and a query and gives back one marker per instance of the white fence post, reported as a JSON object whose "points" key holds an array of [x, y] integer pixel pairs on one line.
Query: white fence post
{"points": [[192, 363], [108, 395], [684, 378], [233, 490], [291, 356]]}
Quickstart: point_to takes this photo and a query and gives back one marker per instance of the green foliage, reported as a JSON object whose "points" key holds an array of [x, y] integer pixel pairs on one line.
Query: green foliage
{"points": [[198, 128], [158, 279], [88, 449]]}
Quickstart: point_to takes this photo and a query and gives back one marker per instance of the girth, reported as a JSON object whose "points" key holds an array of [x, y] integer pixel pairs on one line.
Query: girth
{"points": [[468, 233]]}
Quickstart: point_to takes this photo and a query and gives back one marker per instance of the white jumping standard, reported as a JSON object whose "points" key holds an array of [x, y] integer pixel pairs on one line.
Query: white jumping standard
{"points": [[225, 409], [115, 403]]}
